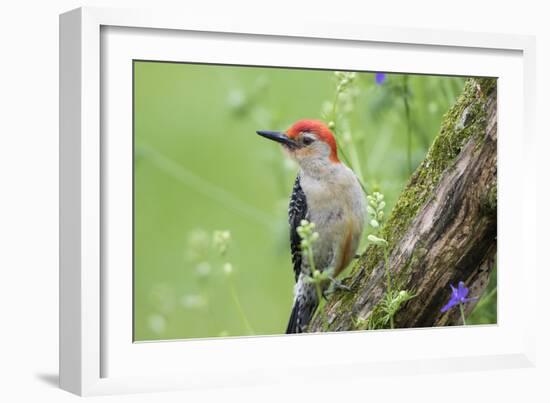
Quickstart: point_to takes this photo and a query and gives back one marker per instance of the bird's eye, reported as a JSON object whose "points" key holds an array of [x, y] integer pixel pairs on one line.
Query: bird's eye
{"points": [[307, 140]]}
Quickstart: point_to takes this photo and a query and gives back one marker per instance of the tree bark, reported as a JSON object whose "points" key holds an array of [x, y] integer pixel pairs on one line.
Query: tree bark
{"points": [[442, 229]]}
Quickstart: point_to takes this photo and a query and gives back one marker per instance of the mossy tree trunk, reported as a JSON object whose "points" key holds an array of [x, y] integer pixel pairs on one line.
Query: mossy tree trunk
{"points": [[442, 229]]}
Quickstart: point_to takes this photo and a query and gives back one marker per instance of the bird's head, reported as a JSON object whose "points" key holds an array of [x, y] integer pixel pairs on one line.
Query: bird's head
{"points": [[306, 141]]}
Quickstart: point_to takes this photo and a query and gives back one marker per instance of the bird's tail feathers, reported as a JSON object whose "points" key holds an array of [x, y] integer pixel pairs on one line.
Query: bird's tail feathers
{"points": [[301, 314], [292, 326]]}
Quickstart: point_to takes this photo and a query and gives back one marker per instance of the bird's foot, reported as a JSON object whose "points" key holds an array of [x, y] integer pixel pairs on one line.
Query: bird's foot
{"points": [[339, 286], [335, 286]]}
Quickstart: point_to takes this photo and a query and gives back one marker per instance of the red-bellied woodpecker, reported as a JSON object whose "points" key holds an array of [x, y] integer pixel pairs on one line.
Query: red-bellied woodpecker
{"points": [[327, 193]]}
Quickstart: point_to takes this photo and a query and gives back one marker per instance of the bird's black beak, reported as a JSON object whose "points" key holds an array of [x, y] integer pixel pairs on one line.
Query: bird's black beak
{"points": [[278, 137]]}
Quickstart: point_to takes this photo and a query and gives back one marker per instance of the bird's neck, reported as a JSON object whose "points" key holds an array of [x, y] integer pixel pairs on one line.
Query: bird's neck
{"points": [[318, 168]]}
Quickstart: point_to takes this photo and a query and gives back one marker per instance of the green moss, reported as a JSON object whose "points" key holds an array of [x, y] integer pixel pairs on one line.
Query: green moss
{"points": [[346, 301], [376, 318], [487, 85], [464, 120], [489, 202]]}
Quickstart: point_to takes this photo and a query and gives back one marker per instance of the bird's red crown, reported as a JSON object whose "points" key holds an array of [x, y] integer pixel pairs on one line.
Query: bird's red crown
{"points": [[318, 128]]}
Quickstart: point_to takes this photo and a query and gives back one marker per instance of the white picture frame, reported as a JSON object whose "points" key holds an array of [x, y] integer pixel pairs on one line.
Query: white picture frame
{"points": [[97, 355]]}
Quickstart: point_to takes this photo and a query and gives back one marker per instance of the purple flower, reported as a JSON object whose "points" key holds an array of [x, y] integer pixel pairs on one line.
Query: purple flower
{"points": [[380, 78], [458, 296]]}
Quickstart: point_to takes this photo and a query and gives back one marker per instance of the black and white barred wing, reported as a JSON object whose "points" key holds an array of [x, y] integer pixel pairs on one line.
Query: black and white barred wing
{"points": [[297, 211]]}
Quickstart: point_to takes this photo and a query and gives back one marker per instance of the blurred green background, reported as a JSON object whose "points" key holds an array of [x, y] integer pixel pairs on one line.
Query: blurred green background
{"points": [[204, 181]]}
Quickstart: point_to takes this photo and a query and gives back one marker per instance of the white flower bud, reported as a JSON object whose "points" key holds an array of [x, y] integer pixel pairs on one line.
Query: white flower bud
{"points": [[377, 241]]}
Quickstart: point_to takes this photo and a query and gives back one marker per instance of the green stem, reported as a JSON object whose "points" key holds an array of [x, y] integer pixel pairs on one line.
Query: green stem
{"points": [[312, 271], [355, 164], [354, 161], [334, 119], [311, 261], [334, 104], [319, 296], [388, 280], [317, 283], [486, 298], [237, 302], [408, 119], [340, 149], [462, 314]]}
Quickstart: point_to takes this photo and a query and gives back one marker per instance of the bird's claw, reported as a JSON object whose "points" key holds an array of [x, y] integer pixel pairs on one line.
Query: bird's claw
{"points": [[341, 287], [335, 286]]}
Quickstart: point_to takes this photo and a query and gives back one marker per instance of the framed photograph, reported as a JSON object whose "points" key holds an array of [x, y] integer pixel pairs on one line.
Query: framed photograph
{"points": [[244, 204]]}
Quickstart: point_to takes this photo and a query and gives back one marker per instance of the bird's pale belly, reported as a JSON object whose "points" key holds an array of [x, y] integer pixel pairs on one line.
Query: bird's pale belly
{"points": [[336, 206], [338, 239]]}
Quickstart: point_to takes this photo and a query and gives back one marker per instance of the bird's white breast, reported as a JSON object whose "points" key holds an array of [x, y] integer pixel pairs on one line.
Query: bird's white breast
{"points": [[336, 205]]}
